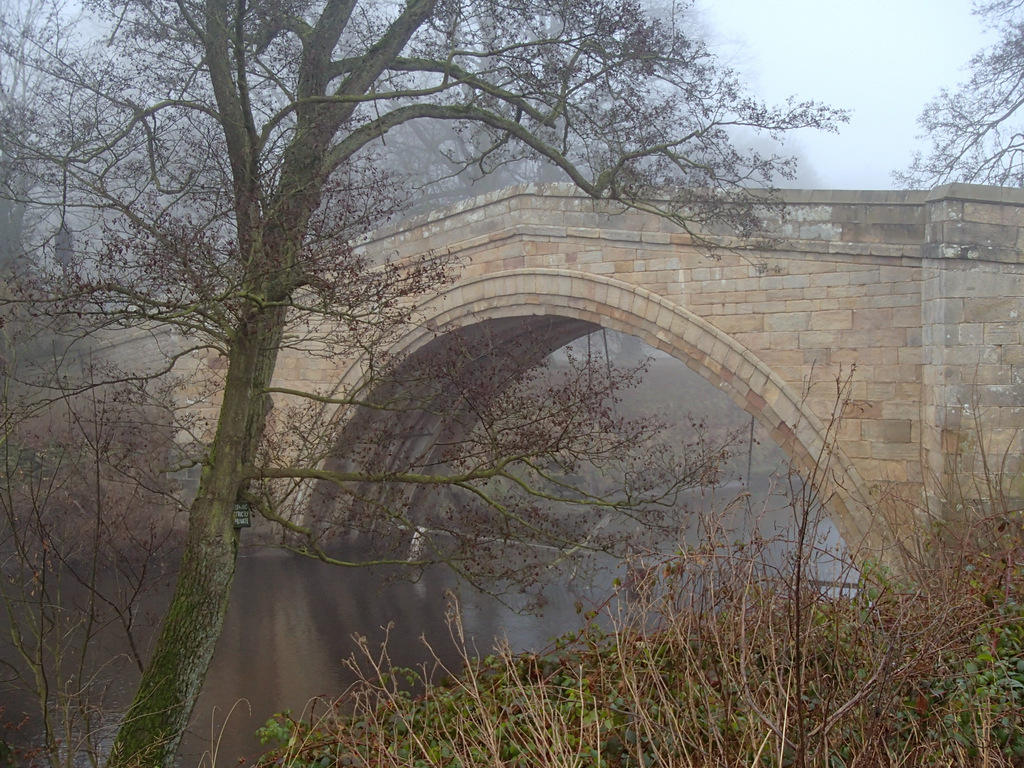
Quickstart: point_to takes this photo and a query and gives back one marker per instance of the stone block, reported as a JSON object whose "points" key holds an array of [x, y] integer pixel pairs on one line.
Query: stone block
{"points": [[880, 391], [1002, 333], [790, 321], [976, 234], [621, 235], [845, 294], [890, 460], [742, 284], [795, 283], [740, 323], [883, 233], [832, 320], [846, 357], [813, 213], [892, 275], [858, 449], [912, 287], [667, 263], [817, 339], [1012, 354], [755, 303], [865, 277], [660, 238], [943, 311], [896, 408], [881, 289], [905, 300], [906, 317], [871, 319], [984, 375], [993, 309], [988, 213], [832, 279], [802, 306], [1011, 395], [859, 339]]}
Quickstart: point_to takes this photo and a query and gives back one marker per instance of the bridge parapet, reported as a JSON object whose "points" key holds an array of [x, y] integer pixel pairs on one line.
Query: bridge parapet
{"points": [[976, 223]]}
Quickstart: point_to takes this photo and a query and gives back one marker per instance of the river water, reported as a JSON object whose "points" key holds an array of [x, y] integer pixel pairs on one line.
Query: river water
{"points": [[291, 622], [290, 628]]}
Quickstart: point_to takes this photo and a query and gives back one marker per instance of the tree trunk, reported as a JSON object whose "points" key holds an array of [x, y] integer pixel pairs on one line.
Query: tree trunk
{"points": [[154, 724]]}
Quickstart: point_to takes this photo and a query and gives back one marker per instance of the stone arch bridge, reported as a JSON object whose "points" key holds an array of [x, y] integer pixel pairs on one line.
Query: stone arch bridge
{"points": [[914, 298]]}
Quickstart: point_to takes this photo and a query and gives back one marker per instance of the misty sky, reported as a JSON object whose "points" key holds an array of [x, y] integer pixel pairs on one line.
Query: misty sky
{"points": [[883, 59]]}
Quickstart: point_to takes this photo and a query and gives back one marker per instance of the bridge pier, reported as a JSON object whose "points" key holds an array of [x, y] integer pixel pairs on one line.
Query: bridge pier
{"points": [[973, 347]]}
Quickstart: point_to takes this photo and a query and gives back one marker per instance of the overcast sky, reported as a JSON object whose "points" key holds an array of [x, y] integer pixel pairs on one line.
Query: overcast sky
{"points": [[882, 59]]}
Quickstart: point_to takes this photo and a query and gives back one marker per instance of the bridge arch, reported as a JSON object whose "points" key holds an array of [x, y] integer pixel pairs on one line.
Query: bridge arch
{"points": [[584, 302]]}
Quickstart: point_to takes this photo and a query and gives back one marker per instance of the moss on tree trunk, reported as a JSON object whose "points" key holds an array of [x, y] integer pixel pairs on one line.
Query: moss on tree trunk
{"points": [[170, 685]]}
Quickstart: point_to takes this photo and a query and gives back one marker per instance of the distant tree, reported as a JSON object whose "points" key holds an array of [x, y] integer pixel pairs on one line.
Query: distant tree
{"points": [[13, 85], [976, 130], [22, 24], [221, 157], [79, 565]]}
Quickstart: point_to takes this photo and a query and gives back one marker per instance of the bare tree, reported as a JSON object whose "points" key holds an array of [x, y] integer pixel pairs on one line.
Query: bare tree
{"points": [[976, 130], [78, 565], [22, 24], [219, 158]]}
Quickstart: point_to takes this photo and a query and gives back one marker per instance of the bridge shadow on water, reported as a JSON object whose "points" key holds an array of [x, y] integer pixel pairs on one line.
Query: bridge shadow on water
{"points": [[291, 623]]}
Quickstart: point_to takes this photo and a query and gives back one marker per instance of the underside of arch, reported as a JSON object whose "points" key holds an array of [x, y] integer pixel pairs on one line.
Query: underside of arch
{"points": [[423, 405]]}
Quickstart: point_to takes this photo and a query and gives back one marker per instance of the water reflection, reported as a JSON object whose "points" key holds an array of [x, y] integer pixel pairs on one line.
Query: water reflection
{"points": [[290, 626], [291, 621]]}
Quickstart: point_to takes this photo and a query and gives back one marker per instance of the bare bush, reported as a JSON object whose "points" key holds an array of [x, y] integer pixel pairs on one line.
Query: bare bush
{"points": [[717, 655], [79, 567]]}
